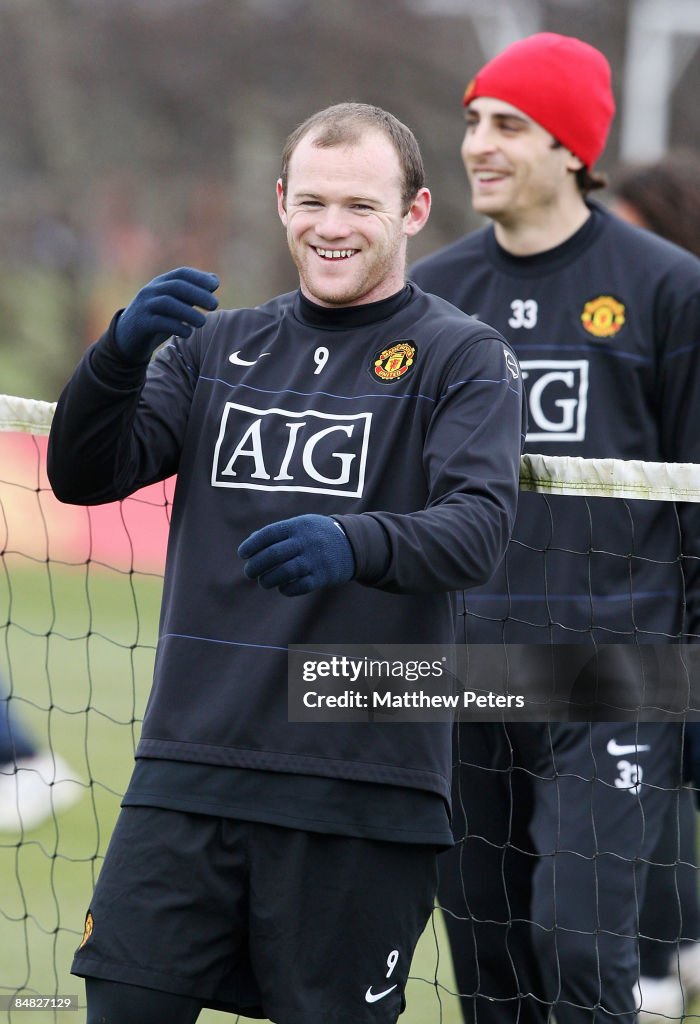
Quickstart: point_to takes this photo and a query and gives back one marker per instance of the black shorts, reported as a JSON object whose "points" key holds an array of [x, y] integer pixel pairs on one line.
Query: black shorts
{"points": [[557, 825], [256, 919]]}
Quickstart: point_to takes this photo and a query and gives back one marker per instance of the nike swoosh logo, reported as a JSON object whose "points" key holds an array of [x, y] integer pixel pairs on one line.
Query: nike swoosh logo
{"points": [[617, 749], [372, 997], [237, 361]]}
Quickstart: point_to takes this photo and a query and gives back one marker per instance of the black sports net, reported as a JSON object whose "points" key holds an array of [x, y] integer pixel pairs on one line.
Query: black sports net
{"points": [[574, 868]]}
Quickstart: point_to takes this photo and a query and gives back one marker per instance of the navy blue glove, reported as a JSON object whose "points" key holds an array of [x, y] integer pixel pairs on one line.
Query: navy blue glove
{"points": [[165, 306], [299, 555]]}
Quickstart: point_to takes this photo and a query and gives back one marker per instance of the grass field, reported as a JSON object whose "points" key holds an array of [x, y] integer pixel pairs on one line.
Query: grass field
{"points": [[79, 645]]}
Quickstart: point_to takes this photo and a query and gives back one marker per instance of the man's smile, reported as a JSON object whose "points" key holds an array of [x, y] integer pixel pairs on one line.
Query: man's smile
{"points": [[335, 254]]}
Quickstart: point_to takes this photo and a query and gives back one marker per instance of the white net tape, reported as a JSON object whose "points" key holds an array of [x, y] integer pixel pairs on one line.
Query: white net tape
{"points": [[610, 478], [547, 474], [25, 415]]}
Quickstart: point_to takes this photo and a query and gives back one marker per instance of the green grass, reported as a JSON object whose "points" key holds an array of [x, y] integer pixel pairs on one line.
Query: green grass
{"points": [[79, 649]]}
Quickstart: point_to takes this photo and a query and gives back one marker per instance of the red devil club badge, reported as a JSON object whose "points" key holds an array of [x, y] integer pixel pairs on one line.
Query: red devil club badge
{"points": [[394, 362]]}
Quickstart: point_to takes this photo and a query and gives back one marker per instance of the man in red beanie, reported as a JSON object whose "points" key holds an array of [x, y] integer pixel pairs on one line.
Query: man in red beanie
{"points": [[556, 822]]}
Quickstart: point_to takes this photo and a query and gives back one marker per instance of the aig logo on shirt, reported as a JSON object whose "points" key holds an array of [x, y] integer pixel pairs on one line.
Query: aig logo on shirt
{"points": [[279, 450], [557, 391]]}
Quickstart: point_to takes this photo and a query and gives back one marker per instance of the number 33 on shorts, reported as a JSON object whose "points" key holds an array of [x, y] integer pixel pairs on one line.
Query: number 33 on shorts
{"points": [[630, 777], [630, 773]]}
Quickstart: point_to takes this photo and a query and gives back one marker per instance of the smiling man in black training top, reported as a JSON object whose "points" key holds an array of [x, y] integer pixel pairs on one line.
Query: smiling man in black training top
{"points": [[605, 320], [347, 455]]}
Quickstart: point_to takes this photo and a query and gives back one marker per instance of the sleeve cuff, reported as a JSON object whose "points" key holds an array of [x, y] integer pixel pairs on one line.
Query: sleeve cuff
{"points": [[370, 546], [109, 364]]}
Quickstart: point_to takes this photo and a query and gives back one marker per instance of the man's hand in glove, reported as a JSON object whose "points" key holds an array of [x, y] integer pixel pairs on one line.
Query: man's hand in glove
{"points": [[299, 555]]}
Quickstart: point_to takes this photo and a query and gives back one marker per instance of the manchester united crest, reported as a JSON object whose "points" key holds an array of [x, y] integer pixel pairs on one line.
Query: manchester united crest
{"points": [[394, 362], [603, 317]]}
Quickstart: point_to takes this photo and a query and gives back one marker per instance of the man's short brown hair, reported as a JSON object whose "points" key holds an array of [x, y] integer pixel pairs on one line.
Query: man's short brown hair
{"points": [[344, 124]]}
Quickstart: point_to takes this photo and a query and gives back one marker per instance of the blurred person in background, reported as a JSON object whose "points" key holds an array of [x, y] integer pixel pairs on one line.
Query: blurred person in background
{"points": [[664, 196], [557, 823], [34, 783]]}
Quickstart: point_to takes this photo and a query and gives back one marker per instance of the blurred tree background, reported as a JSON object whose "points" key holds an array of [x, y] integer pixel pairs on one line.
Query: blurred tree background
{"points": [[139, 135]]}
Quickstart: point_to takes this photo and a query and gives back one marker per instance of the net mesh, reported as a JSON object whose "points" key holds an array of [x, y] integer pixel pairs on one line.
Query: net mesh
{"points": [[79, 600]]}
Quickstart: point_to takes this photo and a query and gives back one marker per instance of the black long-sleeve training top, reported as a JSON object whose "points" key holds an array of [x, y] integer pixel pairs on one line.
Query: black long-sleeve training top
{"points": [[403, 419]]}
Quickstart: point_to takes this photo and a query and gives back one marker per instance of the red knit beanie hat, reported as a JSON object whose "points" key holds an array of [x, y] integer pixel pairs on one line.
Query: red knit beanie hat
{"points": [[558, 81]]}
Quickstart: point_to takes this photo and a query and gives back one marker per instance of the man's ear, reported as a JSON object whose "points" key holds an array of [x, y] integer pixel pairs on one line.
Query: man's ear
{"points": [[418, 212], [281, 202], [574, 163]]}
